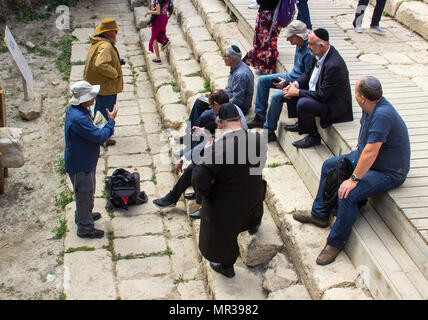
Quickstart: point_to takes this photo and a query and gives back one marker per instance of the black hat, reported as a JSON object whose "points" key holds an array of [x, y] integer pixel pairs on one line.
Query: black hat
{"points": [[322, 34], [228, 111]]}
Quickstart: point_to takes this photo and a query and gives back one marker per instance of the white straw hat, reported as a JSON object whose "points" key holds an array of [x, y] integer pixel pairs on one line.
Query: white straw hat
{"points": [[83, 91]]}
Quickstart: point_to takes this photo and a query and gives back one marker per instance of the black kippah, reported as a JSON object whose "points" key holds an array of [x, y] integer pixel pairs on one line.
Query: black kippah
{"points": [[322, 34], [236, 48]]}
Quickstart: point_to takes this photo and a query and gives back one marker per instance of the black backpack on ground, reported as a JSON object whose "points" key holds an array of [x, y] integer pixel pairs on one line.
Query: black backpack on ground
{"points": [[123, 189], [332, 182]]}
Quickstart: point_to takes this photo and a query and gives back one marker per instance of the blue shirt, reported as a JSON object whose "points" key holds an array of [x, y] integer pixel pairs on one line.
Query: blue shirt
{"points": [[385, 125], [302, 61], [83, 140], [240, 86]]}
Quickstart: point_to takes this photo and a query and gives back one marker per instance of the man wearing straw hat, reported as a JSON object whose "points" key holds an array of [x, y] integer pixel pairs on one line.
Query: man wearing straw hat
{"points": [[103, 67], [82, 148]]}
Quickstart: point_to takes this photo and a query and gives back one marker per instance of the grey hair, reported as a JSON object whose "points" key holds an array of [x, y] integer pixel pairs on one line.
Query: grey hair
{"points": [[371, 88], [234, 52]]}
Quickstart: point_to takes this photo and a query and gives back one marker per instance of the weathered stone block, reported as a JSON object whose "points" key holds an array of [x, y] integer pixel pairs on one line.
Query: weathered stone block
{"points": [[414, 14], [147, 106], [137, 225], [345, 294], [138, 3], [184, 258], [213, 66], [162, 77], [204, 46], [191, 86], [129, 161], [151, 288], [262, 246], [79, 52], [279, 278], [131, 120], [193, 290], [166, 95], [139, 245], [11, 148], [88, 275], [135, 269], [82, 35], [141, 21], [296, 292], [174, 115]]}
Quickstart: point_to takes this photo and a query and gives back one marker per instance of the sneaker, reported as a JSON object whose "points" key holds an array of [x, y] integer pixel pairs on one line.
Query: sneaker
{"points": [[96, 216], [165, 44], [272, 137], [378, 29], [158, 61], [254, 6], [91, 234], [358, 29], [179, 139]]}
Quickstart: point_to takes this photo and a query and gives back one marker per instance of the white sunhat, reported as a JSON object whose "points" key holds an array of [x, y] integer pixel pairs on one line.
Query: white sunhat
{"points": [[83, 91]]}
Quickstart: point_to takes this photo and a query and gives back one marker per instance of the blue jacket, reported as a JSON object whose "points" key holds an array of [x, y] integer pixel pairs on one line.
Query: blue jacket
{"points": [[83, 140], [240, 86]]}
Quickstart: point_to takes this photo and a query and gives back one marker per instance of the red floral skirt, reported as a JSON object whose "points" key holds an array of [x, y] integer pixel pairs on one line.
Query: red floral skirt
{"points": [[264, 53]]}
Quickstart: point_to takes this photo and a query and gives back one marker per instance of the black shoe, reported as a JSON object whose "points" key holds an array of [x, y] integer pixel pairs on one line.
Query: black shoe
{"points": [[196, 214], [257, 122], [254, 230], [164, 202], [190, 196], [307, 142], [96, 216], [91, 234], [292, 128], [179, 139], [272, 137], [221, 268]]}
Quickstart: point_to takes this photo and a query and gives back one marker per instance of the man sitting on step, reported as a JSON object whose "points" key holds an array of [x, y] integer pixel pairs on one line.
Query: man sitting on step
{"points": [[240, 88], [322, 91], [297, 34], [216, 99], [381, 162]]}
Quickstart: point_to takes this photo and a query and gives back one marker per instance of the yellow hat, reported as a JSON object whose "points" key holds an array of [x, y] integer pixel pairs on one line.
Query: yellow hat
{"points": [[108, 24]]}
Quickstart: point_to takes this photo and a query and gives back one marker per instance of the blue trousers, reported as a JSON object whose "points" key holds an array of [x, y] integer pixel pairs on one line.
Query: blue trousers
{"points": [[262, 96], [198, 108], [303, 13], [372, 183], [103, 102]]}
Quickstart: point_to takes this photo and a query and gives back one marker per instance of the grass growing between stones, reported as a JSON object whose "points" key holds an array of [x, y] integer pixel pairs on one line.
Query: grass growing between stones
{"points": [[60, 230], [65, 197], [63, 61], [166, 252], [84, 248]]}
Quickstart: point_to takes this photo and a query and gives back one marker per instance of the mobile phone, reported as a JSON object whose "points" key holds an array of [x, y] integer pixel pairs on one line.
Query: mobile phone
{"points": [[274, 80]]}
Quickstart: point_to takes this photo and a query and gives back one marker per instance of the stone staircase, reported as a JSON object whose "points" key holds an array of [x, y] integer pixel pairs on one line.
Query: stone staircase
{"points": [[199, 32], [383, 246]]}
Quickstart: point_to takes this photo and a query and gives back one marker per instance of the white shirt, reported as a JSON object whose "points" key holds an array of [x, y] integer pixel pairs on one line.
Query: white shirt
{"points": [[315, 73]]}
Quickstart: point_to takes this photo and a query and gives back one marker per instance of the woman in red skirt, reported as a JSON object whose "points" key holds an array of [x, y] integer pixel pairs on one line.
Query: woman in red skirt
{"points": [[264, 53], [160, 9]]}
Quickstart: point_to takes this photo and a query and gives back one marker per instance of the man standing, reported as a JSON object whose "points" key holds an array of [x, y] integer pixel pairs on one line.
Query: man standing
{"points": [[82, 149], [381, 162], [297, 34], [103, 67], [232, 190], [323, 91]]}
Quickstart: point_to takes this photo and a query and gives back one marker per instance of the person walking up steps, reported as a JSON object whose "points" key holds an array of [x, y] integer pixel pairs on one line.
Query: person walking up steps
{"points": [[377, 14], [103, 67], [160, 9], [264, 53]]}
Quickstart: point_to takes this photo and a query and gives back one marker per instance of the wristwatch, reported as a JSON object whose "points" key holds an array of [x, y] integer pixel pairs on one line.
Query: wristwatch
{"points": [[354, 178]]}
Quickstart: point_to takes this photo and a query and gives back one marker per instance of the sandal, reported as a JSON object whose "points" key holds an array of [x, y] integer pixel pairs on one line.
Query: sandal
{"points": [[158, 61]]}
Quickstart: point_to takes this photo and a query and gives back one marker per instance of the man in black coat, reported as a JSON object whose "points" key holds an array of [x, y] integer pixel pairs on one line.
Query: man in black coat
{"points": [[323, 91], [232, 190]]}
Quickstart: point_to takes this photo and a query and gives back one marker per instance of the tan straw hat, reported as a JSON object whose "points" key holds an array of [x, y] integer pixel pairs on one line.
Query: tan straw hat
{"points": [[108, 24], [297, 28]]}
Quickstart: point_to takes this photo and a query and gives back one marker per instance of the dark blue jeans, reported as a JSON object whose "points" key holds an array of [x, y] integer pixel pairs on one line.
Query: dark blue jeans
{"points": [[198, 108], [303, 13], [372, 183], [103, 102]]}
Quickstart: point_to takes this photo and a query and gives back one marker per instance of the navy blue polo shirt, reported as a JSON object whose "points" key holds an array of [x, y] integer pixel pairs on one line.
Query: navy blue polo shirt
{"points": [[386, 125]]}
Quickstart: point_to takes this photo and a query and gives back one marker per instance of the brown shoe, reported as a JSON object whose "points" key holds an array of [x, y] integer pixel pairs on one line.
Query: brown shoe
{"points": [[305, 217], [257, 122], [110, 142], [328, 254]]}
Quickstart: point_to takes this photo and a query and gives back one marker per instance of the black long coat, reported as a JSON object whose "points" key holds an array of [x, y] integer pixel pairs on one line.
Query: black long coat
{"points": [[332, 88], [232, 198]]}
